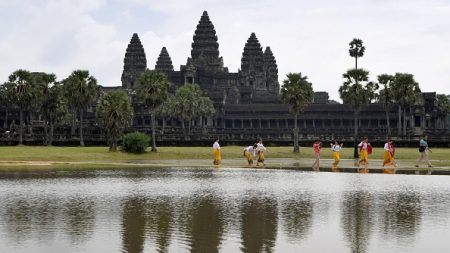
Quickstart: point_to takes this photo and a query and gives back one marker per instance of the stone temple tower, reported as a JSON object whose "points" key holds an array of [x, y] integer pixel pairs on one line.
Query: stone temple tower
{"points": [[164, 63], [252, 73], [205, 48], [271, 71], [134, 63]]}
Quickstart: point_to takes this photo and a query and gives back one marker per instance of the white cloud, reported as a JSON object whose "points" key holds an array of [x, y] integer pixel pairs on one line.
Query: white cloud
{"points": [[305, 36]]}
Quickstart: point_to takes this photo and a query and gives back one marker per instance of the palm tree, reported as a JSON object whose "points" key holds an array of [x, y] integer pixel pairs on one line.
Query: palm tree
{"points": [[297, 93], [206, 107], [152, 87], [54, 110], [386, 97], [114, 113], [189, 103], [21, 89], [443, 105], [356, 50], [167, 110], [357, 91], [5, 100], [43, 82], [81, 90], [406, 91]]}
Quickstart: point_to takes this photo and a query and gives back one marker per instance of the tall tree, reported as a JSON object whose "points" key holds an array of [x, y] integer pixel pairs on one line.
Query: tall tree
{"points": [[357, 91], [386, 97], [443, 105], [152, 87], [406, 92], [189, 103], [114, 113], [356, 50], [297, 93], [22, 91], [5, 101], [54, 110], [206, 107], [81, 91]]}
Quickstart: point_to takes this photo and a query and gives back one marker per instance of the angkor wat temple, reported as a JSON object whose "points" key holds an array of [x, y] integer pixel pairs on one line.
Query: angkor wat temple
{"points": [[247, 102]]}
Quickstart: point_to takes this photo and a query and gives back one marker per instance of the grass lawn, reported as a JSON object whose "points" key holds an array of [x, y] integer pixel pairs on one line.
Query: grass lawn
{"points": [[101, 154]]}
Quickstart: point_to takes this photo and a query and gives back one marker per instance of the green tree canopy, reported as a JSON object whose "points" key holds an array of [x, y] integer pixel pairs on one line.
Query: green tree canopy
{"points": [[356, 50], [152, 88], [357, 91], [22, 91], [443, 103], [297, 93], [81, 90], [406, 92], [188, 103], [386, 96], [114, 113]]}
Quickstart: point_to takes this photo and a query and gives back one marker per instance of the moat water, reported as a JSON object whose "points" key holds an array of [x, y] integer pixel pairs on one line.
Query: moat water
{"points": [[223, 210]]}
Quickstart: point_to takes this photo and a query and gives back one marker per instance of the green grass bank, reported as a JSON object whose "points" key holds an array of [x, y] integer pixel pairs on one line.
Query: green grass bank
{"points": [[100, 157]]}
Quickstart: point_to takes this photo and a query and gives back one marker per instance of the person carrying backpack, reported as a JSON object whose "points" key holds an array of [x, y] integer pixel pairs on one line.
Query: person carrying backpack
{"points": [[423, 150]]}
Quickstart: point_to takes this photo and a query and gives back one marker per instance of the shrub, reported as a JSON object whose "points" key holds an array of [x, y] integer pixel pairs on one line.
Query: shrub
{"points": [[135, 142]]}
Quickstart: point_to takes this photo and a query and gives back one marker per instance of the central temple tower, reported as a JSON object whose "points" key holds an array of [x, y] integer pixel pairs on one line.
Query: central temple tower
{"points": [[205, 48]]}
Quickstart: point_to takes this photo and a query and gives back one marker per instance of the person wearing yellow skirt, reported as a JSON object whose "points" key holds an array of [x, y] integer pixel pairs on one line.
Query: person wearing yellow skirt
{"points": [[216, 151], [260, 153], [363, 151], [249, 153], [389, 151], [336, 149]]}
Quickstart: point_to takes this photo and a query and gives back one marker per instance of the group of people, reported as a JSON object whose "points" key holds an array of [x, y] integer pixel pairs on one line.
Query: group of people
{"points": [[256, 152], [365, 149], [251, 153]]}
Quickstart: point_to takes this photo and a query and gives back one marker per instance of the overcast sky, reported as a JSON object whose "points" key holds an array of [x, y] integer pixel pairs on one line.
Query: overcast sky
{"points": [[305, 36]]}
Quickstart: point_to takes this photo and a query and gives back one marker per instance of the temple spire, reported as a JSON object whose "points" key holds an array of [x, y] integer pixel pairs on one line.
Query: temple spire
{"points": [[252, 57], [164, 63], [271, 70], [135, 62], [205, 48]]}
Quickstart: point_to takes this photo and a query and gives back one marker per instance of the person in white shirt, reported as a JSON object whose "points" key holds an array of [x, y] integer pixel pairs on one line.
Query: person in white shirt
{"points": [[336, 149], [216, 152], [249, 153], [363, 151], [260, 149]]}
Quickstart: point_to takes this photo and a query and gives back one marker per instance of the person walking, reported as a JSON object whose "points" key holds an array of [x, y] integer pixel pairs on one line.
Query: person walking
{"points": [[389, 151], [424, 149], [336, 149], [216, 152], [364, 149], [317, 147]]}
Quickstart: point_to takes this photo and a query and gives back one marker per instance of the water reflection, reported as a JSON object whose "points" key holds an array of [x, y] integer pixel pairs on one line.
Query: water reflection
{"points": [[160, 222], [204, 223], [401, 216], [80, 218], [224, 211], [357, 219], [18, 218], [259, 222], [297, 213], [133, 225]]}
